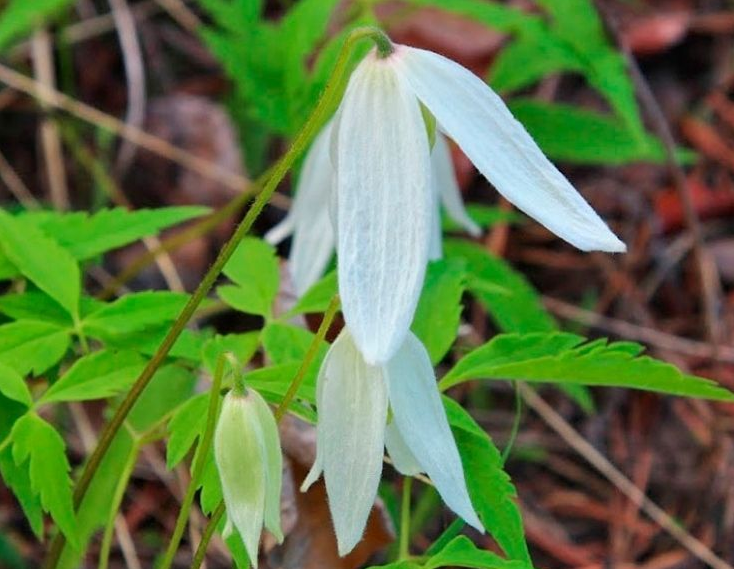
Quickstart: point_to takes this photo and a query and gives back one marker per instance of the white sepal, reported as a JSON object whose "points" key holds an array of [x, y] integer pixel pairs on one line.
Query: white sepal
{"points": [[477, 119], [421, 419], [402, 459], [384, 207]]}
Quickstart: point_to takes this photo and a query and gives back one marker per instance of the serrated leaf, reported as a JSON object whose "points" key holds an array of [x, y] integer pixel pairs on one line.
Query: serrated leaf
{"points": [[318, 297], [17, 479], [96, 376], [437, 316], [511, 301], [188, 346], [37, 444], [254, 268], [42, 261], [564, 358], [137, 311], [285, 343], [34, 305], [13, 386], [19, 17], [243, 346], [491, 491], [186, 425], [28, 346], [462, 552]]}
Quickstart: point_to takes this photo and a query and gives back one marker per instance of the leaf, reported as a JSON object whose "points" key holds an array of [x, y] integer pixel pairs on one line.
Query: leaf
{"points": [[566, 358], [285, 343], [461, 552], [28, 346], [254, 268], [37, 443], [188, 346], [491, 491], [138, 311], [170, 387], [508, 297], [492, 14], [18, 481], [42, 260], [437, 316], [19, 17], [243, 346], [85, 236], [96, 376], [34, 305], [318, 297], [13, 386], [186, 425]]}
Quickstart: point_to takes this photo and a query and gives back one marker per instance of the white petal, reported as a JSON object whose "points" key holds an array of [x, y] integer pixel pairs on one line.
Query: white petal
{"points": [[402, 459], [435, 245], [500, 147], [282, 230], [384, 207], [421, 419], [444, 178], [351, 434]]}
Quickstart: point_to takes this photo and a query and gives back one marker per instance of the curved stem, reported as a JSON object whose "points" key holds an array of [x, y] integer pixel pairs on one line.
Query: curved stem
{"points": [[404, 547], [199, 461], [206, 537]]}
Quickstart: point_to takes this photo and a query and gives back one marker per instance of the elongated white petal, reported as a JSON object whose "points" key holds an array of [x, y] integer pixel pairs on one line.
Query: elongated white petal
{"points": [[421, 419], [384, 207], [500, 147], [435, 243], [444, 178], [351, 434], [402, 459]]}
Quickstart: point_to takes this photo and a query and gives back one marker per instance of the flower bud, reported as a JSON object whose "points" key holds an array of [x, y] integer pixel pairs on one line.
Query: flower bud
{"points": [[250, 465]]}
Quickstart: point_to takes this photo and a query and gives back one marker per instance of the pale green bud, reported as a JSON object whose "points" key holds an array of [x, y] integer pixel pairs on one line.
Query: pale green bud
{"points": [[250, 465]]}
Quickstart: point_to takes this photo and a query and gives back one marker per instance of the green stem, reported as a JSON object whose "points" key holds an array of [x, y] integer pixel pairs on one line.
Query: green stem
{"points": [[515, 423], [313, 349], [404, 547], [199, 461], [207, 536]]}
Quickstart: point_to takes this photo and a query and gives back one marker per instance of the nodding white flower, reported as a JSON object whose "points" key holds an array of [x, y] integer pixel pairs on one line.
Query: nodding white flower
{"points": [[353, 398], [385, 208], [250, 466], [309, 219]]}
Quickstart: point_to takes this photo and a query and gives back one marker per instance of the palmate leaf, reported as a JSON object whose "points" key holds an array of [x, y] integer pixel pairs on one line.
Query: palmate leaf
{"points": [[566, 358], [37, 444]]}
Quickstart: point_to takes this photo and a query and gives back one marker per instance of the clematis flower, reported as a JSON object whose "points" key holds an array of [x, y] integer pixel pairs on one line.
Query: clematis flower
{"points": [[385, 206], [353, 398], [310, 222], [250, 466]]}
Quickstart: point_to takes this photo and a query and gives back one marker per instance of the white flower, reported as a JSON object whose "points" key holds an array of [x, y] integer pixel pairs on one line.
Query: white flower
{"points": [[385, 208], [352, 398], [250, 466], [309, 219]]}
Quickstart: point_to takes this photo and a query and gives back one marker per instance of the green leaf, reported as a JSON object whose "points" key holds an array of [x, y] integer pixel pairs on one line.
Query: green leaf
{"points": [[492, 14], [243, 346], [508, 297], [491, 491], [285, 343], [566, 358], [437, 316], [188, 346], [96, 376], [461, 552], [32, 347], [318, 297], [34, 305], [20, 17], [85, 236], [254, 268], [37, 443], [138, 311], [42, 260], [170, 387], [18, 480], [186, 425], [13, 386]]}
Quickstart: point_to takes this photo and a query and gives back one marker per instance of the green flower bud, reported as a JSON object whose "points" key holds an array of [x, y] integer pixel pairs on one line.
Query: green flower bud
{"points": [[250, 465]]}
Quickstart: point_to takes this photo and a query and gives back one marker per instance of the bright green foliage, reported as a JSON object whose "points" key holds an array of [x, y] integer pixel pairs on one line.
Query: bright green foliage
{"points": [[38, 446], [242, 346], [508, 297], [186, 425], [35, 305], [30, 346], [560, 358], [462, 552], [492, 493], [19, 17], [254, 269], [285, 343], [134, 312], [96, 376], [18, 480], [318, 297], [436, 320], [42, 260], [13, 387], [188, 346]]}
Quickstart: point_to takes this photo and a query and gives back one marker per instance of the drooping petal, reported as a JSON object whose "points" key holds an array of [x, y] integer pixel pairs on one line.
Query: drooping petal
{"points": [[384, 207], [419, 415], [351, 434], [402, 459], [444, 179], [284, 229], [500, 147], [273, 464], [435, 243]]}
